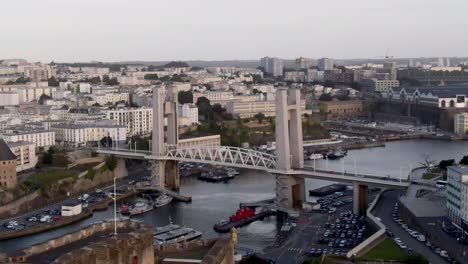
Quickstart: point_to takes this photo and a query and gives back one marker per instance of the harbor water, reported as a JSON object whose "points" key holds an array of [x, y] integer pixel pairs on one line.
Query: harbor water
{"points": [[212, 202]]}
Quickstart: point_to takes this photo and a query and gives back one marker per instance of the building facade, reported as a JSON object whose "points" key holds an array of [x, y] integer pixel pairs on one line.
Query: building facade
{"points": [[457, 195], [325, 64], [25, 152], [41, 138], [344, 108], [250, 109], [80, 135], [7, 167], [138, 121]]}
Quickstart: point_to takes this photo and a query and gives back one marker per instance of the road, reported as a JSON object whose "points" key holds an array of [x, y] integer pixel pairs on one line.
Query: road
{"points": [[21, 218], [384, 211]]}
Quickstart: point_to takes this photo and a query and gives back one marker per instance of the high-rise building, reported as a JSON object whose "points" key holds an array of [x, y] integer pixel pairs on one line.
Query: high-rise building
{"points": [[273, 66], [441, 62], [325, 64], [461, 124], [303, 63], [457, 195]]}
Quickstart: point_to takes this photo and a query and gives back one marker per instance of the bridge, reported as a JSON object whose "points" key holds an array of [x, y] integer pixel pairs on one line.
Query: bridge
{"points": [[287, 165]]}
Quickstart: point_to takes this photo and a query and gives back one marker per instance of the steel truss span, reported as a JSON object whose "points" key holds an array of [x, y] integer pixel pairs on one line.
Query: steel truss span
{"points": [[225, 156]]}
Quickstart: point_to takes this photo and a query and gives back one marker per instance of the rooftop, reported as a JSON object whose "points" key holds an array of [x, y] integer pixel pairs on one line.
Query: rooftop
{"points": [[460, 169], [5, 151]]}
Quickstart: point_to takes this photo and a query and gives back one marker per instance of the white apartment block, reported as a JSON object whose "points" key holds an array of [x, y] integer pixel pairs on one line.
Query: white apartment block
{"points": [[295, 76], [205, 79], [376, 85], [264, 88], [187, 114], [37, 72], [27, 94], [137, 120], [220, 97], [461, 124], [207, 141], [96, 71], [132, 80], [325, 64], [457, 195], [26, 154], [250, 109], [80, 135], [9, 98], [112, 98], [42, 138]]}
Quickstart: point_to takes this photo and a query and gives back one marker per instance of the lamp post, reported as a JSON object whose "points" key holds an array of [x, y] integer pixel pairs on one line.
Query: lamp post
{"points": [[114, 197]]}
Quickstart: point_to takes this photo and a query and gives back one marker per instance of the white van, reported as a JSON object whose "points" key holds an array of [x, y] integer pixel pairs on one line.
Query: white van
{"points": [[421, 238]]}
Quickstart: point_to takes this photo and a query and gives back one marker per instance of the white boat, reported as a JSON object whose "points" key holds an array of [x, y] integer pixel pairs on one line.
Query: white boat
{"points": [[315, 156], [141, 206], [162, 200]]}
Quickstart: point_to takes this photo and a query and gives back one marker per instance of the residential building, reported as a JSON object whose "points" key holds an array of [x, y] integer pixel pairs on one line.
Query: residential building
{"points": [[76, 135], [264, 88], [376, 85], [315, 75], [113, 98], [461, 124], [272, 66], [215, 97], [138, 121], [25, 152], [27, 94], [251, 108], [325, 64], [303, 63], [295, 76], [457, 195], [37, 71], [41, 138], [187, 114], [206, 141], [7, 167], [9, 98], [342, 108]]}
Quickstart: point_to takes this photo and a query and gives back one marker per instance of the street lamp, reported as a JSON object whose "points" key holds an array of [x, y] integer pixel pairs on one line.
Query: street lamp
{"points": [[115, 208]]}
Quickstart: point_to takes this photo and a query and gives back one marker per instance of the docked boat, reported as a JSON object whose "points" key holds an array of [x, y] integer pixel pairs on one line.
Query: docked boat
{"points": [[232, 172], [140, 207], [337, 154], [315, 156], [177, 236], [162, 200], [242, 217], [215, 176], [165, 229]]}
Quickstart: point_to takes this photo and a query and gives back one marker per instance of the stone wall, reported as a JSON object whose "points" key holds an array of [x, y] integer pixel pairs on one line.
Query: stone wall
{"points": [[17, 205], [135, 241]]}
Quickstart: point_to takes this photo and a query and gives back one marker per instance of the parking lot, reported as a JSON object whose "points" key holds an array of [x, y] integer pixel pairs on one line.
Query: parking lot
{"points": [[331, 229]]}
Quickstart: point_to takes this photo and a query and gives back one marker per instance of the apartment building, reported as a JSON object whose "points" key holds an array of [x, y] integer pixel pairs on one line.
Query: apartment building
{"points": [[77, 135], [457, 195], [250, 109], [187, 114], [215, 97], [25, 153], [343, 108], [7, 167], [461, 124], [376, 85], [9, 98], [137, 120], [27, 94], [206, 141], [41, 138], [112, 98], [272, 66]]}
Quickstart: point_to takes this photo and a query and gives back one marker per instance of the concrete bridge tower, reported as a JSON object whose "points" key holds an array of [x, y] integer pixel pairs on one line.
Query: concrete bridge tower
{"points": [[290, 191], [165, 174]]}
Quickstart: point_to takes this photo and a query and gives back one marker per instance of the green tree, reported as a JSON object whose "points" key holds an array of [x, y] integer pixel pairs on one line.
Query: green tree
{"points": [[53, 82], [176, 64], [443, 164], [464, 160], [111, 162], [42, 98], [105, 78], [151, 76], [185, 97], [260, 117], [106, 142]]}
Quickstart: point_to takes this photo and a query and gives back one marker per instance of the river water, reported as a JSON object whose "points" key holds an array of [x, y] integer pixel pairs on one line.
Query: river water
{"points": [[214, 201]]}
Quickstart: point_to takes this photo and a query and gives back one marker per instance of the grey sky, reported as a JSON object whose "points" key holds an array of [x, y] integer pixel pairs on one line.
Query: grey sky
{"points": [[113, 30]]}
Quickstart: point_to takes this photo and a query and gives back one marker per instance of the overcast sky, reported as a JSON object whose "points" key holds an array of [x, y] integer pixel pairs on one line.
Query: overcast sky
{"points": [[116, 30]]}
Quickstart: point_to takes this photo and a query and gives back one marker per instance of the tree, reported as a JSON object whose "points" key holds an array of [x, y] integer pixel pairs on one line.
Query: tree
{"points": [[445, 163], [106, 142], [185, 97], [151, 76], [176, 64], [256, 78], [204, 107], [177, 78], [105, 78], [260, 117], [113, 81], [464, 160], [325, 97], [42, 98], [111, 162], [22, 80], [329, 83], [53, 82], [151, 68]]}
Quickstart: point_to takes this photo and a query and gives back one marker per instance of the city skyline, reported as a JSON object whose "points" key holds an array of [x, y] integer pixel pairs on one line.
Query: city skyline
{"points": [[78, 31]]}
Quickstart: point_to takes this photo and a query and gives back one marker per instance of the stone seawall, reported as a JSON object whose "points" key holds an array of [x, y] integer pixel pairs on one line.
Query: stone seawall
{"points": [[134, 243]]}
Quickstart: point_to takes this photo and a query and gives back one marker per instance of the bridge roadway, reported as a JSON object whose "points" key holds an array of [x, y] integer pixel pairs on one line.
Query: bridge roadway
{"points": [[307, 172]]}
